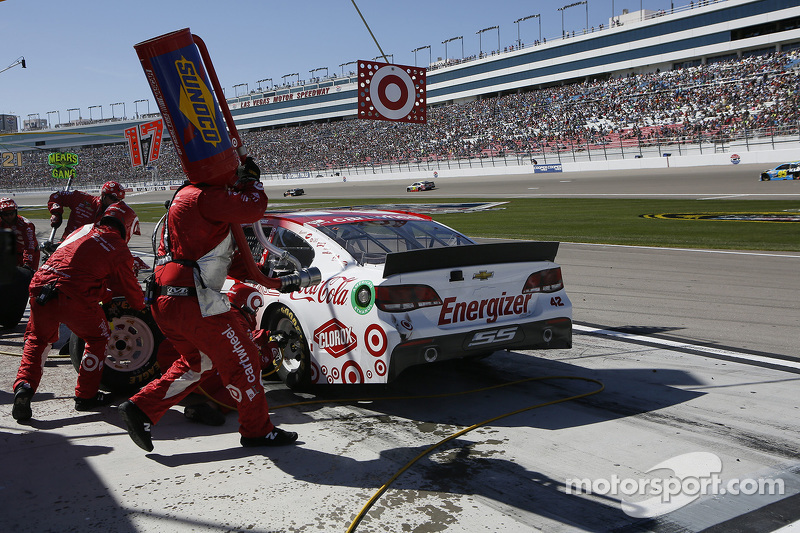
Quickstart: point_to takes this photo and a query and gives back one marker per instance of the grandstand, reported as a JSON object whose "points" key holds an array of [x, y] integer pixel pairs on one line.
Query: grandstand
{"points": [[705, 74]]}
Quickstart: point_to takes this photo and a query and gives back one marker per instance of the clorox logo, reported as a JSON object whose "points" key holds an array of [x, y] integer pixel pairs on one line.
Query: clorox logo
{"points": [[196, 102], [335, 338]]}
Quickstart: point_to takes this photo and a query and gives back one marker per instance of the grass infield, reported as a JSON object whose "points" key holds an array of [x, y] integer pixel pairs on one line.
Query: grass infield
{"points": [[606, 221]]}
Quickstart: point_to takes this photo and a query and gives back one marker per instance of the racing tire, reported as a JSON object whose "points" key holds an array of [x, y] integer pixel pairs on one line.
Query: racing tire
{"points": [[131, 355], [764, 177], [295, 367], [15, 298]]}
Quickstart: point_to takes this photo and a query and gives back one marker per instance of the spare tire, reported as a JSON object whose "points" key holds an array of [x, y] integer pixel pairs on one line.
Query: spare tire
{"points": [[15, 297], [131, 355]]}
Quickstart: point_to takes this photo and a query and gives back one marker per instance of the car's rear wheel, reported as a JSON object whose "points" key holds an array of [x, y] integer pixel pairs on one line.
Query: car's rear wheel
{"points": [[131, 354], [295, 365]]}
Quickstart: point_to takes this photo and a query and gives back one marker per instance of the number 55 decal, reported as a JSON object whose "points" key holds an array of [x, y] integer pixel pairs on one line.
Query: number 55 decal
{"points": [[492, 336]]}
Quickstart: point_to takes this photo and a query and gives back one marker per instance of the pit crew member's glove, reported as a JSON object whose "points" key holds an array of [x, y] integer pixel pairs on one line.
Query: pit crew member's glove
{"points": [[247, 172]]}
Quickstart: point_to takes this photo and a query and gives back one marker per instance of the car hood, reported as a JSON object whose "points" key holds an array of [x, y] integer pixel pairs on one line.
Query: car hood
{"points": [[469, 255]]}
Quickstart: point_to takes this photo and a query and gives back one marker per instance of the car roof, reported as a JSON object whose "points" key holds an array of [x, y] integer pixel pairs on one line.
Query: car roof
{"points": [[332, 216]]}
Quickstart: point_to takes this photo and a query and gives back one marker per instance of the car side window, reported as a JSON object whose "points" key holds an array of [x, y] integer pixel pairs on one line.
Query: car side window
{"points": [[295, 245]]}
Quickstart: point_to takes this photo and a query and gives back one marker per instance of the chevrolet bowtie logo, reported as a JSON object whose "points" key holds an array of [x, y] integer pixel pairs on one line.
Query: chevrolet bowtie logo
{"points": [[482, 275]]}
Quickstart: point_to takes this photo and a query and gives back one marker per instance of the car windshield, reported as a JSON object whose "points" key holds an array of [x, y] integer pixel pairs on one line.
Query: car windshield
{"points": [[369, 241]]}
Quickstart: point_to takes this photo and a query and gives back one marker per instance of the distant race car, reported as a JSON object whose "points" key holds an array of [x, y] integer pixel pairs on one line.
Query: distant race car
{"points": [[399, 289], [786, 171], [420, 186], [294, 192]]}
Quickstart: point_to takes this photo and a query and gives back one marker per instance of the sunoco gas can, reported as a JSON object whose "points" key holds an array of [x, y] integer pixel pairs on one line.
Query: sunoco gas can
{"points": [[181, 87]]}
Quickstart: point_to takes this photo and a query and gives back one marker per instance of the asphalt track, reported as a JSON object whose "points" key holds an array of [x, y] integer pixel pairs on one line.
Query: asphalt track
{"points": [[697, 351]]}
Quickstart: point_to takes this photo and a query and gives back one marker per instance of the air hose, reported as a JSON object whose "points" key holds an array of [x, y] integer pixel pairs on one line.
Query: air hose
{"points": [[391, 480]]}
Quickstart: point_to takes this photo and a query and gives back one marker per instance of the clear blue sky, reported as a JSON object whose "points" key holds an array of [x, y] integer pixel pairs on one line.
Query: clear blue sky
{"points": [[80, 53]]}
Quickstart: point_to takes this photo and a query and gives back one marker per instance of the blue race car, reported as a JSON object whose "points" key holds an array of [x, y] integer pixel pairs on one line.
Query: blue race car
{"points": [[786, 171]]}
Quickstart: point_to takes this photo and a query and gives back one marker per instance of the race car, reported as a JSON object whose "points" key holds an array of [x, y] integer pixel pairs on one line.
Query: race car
{"points": [[400, 289], [786, 171], [397, 289], [421, 186], [294, 192]]}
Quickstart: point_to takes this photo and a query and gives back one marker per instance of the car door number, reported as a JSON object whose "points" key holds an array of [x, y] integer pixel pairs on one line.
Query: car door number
{"points": [[492, 336]]}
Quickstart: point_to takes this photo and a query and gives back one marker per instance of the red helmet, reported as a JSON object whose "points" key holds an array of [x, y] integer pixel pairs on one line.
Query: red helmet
{"points": [[247, 300], [7, 204], [114, 189], [124, 214]]}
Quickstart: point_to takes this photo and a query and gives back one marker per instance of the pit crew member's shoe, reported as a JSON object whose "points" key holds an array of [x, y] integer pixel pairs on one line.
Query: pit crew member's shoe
{"points": [[204, 414], [276, 437], [98, 400], [22, 402], [138, 425]]}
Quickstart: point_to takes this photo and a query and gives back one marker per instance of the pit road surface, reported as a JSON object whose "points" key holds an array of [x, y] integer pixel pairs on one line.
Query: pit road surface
{"points": [[702, 361]]}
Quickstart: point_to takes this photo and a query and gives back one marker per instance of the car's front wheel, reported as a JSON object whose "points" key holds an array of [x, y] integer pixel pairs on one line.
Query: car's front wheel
{"points": [[295, 365], [131, 354], [764, 177]]}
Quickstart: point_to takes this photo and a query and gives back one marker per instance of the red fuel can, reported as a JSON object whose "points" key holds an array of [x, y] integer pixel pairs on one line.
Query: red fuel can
{"points": [[185, 86]]}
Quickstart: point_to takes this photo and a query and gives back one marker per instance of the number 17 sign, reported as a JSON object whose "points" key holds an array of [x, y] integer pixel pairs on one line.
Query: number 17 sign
{"points": [[144, 138]]}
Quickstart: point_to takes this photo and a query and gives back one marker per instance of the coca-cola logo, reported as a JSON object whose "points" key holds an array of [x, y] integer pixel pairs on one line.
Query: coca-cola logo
{"points": [[333, 291], [335, 338]]}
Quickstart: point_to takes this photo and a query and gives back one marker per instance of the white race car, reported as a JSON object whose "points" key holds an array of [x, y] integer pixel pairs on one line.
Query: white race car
{"points": [[399, 289]]}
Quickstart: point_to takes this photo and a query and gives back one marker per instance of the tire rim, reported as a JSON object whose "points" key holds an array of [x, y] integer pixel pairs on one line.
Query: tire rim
{"points": [[292, 353], [130, 345]]}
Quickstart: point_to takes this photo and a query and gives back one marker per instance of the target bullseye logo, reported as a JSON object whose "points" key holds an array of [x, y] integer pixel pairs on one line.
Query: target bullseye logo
{"points": [[391, 92], [376, 341], [352, 373], [90, 362]]}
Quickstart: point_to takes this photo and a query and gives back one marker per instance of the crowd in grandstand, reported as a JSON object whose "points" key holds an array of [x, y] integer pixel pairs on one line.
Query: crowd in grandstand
{"points": [[710, 101]]}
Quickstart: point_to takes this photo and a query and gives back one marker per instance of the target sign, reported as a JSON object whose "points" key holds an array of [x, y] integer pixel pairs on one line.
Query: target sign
{"points": [[391, 92]]}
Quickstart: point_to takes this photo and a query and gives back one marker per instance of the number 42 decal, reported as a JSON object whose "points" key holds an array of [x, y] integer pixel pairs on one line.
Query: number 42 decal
{"points": [[555, 301]]}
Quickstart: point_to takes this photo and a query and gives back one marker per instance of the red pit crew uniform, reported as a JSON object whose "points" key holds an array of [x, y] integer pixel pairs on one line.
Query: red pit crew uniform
{"points": [[27, 245], [211, 384], [84, 208], [201, 325], [80, 268]]}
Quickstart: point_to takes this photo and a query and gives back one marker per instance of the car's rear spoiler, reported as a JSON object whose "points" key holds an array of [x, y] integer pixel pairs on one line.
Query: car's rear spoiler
{"points": [[469, 255]]}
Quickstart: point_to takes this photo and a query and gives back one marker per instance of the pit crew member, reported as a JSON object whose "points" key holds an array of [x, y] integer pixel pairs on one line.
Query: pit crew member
{"points": [[84, 207], [194, 256], [68, 289], [27, 245]]}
